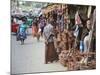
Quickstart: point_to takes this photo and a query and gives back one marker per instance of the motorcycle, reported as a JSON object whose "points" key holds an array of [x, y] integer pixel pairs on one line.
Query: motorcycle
{"points": [[21, 34], [21, 37]]}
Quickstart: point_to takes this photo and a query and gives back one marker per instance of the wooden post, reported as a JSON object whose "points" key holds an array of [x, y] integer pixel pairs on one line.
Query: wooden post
{"points": [[93, 23], [89, 11]]}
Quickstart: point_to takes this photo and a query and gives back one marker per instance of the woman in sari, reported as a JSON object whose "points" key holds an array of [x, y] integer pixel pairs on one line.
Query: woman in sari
{"points": [[35, 29], [50, 52]]}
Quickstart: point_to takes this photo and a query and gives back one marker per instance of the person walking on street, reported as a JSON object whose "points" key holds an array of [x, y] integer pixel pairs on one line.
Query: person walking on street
{"points": [[35, 29]]}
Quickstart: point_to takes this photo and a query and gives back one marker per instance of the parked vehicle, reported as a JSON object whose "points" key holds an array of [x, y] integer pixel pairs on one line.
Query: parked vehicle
{"points": [[14, 27]]}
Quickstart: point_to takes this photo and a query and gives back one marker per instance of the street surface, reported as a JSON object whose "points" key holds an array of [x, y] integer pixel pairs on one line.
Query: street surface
{"points": [[29, 58]]}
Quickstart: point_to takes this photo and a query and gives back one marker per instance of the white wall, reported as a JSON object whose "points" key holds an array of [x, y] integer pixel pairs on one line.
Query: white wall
{"points": [[5, 36]]}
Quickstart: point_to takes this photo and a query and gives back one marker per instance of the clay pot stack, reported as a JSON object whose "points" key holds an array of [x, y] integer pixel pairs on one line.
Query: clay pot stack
{"points": [[63, 57], [69, 59], [64, 41], [68, 55]]}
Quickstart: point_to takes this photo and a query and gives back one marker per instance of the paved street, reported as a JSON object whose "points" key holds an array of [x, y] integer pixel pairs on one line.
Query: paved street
{"points": [[29, 58]]}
